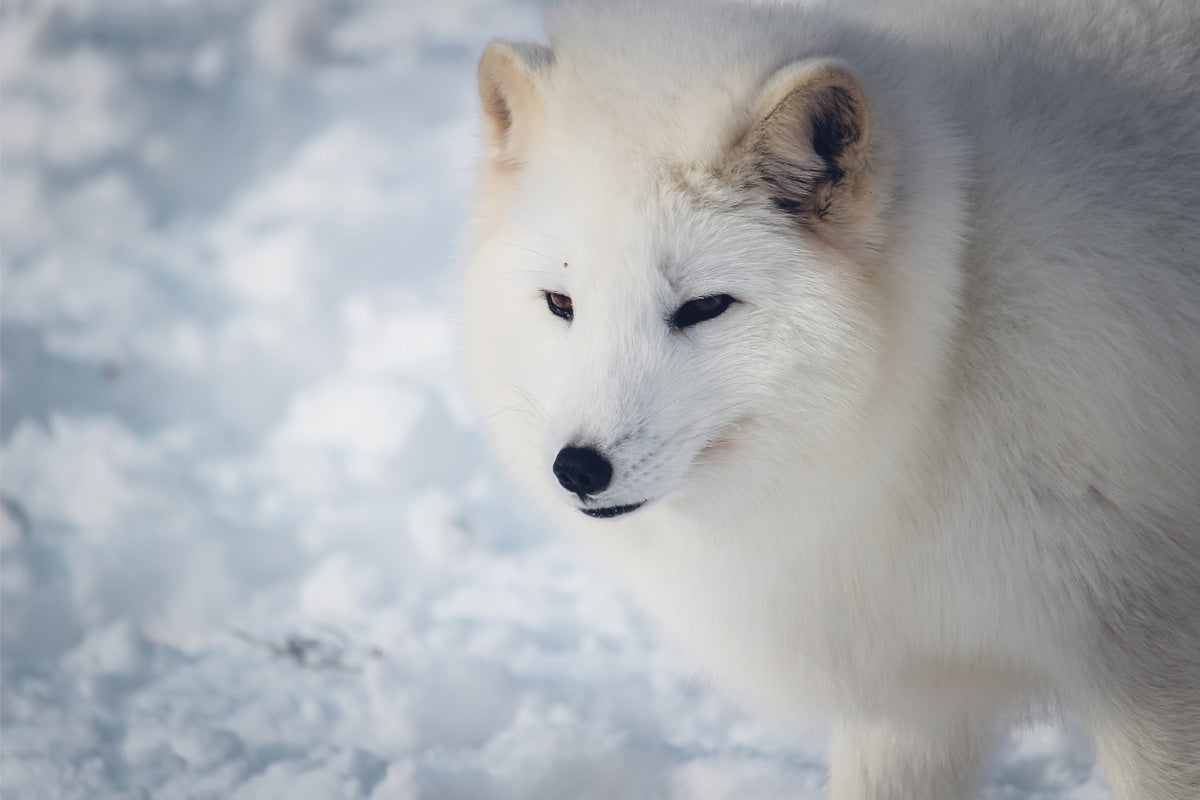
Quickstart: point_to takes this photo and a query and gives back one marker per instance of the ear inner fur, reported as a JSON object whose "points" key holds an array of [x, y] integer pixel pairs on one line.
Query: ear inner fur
{"points": [[811, 144], [511, 98]]}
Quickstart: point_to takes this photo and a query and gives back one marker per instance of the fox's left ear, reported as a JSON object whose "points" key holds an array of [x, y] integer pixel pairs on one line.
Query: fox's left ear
{"points": [[511, 77], [810, 139]]}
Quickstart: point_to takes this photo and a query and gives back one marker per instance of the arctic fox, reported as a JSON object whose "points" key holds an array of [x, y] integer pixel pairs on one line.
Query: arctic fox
{"points": [[864, 344]]}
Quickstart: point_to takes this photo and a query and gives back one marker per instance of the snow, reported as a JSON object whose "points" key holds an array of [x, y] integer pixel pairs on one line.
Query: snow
{"points": [[252, 544]]}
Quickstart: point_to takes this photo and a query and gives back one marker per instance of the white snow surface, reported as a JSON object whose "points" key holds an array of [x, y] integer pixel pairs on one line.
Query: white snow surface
{"points": [[253, 547]]}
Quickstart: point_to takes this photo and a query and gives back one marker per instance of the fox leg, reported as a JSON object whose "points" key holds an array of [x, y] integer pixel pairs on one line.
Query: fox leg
{"points": [[885, 761], [1148, 733]]}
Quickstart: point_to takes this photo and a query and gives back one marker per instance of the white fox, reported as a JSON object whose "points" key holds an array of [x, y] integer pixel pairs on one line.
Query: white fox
{"points": [[864, 343]]}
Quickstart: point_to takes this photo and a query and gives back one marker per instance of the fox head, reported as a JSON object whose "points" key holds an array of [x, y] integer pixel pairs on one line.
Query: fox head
{"points": [[675, 272]]}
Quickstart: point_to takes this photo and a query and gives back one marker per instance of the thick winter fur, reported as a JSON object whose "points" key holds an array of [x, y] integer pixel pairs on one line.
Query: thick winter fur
{"points": [[939, 465]]}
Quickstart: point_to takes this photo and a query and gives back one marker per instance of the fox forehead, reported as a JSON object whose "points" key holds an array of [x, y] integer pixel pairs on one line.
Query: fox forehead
{"points": [[692, 126], [647, 227], [619, 184]]}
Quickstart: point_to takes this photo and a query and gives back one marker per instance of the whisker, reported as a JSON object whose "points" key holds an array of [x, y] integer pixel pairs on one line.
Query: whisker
{"points": [[537, 407], [546, 256], [556, 240]]}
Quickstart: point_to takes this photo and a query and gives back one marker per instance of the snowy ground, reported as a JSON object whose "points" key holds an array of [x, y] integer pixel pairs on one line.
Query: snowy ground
{"points": [[251, 547]]}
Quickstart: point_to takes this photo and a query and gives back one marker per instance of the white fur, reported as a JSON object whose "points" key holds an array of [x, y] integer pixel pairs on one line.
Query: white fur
{"points": [[941, 464]]}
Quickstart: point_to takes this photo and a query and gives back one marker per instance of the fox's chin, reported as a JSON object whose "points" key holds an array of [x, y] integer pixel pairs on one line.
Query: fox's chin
{"points": [[611, 511]]}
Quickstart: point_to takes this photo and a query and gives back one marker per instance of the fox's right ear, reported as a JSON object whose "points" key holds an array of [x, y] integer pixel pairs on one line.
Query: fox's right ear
{"points": [[511, 77]]}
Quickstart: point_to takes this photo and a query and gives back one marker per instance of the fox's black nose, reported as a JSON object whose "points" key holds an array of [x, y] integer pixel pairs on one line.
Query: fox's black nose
{"points": [[582, 470]]}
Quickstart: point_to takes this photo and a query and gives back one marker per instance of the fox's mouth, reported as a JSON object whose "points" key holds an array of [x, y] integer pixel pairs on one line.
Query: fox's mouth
{"points": [[611, 511]]}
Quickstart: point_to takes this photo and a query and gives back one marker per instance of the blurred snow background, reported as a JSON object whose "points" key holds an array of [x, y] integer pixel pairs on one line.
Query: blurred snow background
{"points": [[251, 544]]}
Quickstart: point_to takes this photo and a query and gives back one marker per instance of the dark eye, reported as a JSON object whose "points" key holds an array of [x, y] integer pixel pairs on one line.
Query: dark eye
{"points": [[700, 309], [560, 305]]}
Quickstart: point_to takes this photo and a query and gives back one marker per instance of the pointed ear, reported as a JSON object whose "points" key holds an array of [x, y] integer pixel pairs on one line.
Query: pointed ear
{"points": [[510, 90], [811, 138]]}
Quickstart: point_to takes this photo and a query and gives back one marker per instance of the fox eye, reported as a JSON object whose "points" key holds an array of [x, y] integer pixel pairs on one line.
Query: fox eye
{"points": [[560, 305], [700, 309]]}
